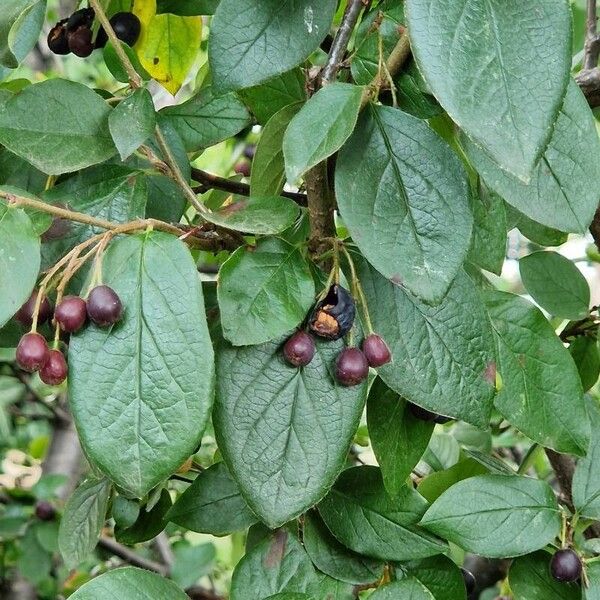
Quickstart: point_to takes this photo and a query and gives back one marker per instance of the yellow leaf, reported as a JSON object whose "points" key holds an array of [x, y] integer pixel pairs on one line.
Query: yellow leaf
{"points": [[168, 44]]}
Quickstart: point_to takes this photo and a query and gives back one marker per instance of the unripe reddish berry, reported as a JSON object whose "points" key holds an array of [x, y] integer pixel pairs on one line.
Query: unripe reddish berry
{"points": [[376, 350], [351, 367], [299, 350], [25, 313], [54, 372], [44, 511], [71, 313], [32, 352]]}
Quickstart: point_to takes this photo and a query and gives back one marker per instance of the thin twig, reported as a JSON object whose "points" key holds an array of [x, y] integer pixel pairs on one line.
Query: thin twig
{"points": [[591, 50], [131, 557]]}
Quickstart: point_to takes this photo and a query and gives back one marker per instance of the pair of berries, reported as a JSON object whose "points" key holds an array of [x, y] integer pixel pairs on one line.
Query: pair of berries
{"points": [[103, 307], [75, 33], [332, 318]]}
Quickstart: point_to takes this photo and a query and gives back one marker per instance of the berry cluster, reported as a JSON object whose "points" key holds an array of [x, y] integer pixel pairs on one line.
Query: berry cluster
{"points": [[332, 318], [74, 34], [103, 307]]}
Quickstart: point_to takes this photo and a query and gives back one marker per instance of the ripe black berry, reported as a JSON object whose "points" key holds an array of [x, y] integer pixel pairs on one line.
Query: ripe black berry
{"points": [[299, 350], [104, 306], [80, 41], [469, 579], [83, 17], [351, 367], [376, 350], [565, 566], [25, 313], [54, 372], [127, 28], [424, 415], [32, 352], [71, 313], [57, 38], [333, 317], [44, 511]]}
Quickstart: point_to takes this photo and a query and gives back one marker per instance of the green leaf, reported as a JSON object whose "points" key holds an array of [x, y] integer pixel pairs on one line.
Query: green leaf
{"points": [[440, 576], [141, 392], [130, 583], [454, 378], [399, 439], [277, 564], [592, 590], [497, 516], [321, 127], [132, 122], [476, 56], [586, 480], [488, 245], [407, 589], [538, 234], [434, 485], [34, 562], [330, 557], [442, 453], [112, 193], [541, 392], [206, 119], [267, 99], [284, 432], [148, 524], [391, 177], [530, 579], [188, 8], [365, 519], [254, 40], [14, 171], [261, 215], [268, 166], [191, 563], [212, 504], [19, 260], [562, 190], [125, 512], [82, 520], [20, 25], [58, 126], [264, 292], [585, 353], [556, 284]]}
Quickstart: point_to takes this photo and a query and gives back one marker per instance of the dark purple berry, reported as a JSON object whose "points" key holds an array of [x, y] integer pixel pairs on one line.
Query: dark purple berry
{"points": [[126, 26], [25, 313], [71, 313], [242, 168], [80, 41], [84, 17], [566, 566], [424, 415], [299, 350], [351, 367], [32, 352], [54, 372], [104, 306], [333, 317], [376, 350], [44, 511], [57, 39], [250, 151], [469, 579]]}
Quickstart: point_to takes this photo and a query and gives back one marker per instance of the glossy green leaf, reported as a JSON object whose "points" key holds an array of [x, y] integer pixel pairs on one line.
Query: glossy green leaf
{"points": [[284, 432], [321, 127], [533, 231], [454, 378], [530, 579], [268, 166], [442, 453], [82, 521], [556, 284], [332, 558], [191, 563], [393, 175], [435, 484], [267, 99], [188, 8], [14, 171], [440, 576], [130, 583], [541, 392], [125, 512], [398, 438], [132, 122], [586, 480], [264, 292], [141, 391], [58, 126], [277, 564], [261, 215], [148, 524], [586, 354], [365, 519], [407, 589], [254, 40], [19, 259], [20, 25], [496, 516], [476, 56], [206, 119], [112, 193], [563, 190], [592, 590], [212, 504]]}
